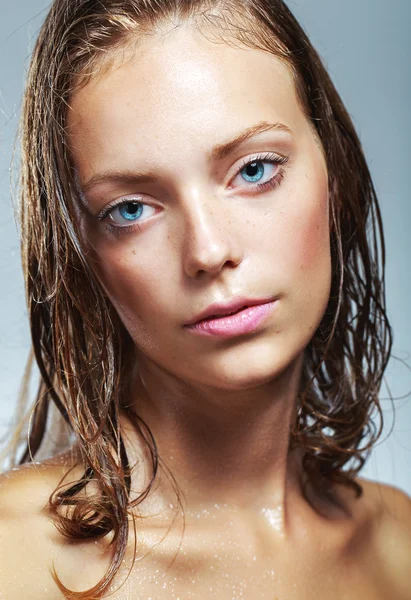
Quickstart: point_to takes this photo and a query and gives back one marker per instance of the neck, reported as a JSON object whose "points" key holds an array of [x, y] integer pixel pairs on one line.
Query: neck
{"points": [[224, 447]]}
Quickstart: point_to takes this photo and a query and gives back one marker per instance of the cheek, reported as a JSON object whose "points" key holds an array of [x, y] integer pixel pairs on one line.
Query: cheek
{"points": [[309, 238], [133, 283], [134, 289], [312, 241], [304, 255], [310, 256], [137, 295]]}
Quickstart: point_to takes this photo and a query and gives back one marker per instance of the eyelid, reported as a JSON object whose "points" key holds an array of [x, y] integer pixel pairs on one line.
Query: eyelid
{"points": [[118, 202], [262, 156], [272, 157]]}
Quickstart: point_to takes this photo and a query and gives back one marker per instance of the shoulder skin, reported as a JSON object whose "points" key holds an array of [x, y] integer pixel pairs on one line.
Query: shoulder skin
{"points": [[28, 537], [391, 508]]}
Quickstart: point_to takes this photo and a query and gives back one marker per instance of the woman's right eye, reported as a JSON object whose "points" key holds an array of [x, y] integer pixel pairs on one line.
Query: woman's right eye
{"points": [[126, 212]]}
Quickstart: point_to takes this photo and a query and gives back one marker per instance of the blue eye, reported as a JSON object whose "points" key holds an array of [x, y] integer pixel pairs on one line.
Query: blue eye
{"points": [[131, 211], [126, 212], [255, 171]]}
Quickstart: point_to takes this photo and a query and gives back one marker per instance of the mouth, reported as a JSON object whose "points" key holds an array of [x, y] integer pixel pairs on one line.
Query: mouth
{"points": [[223, 310], [243, 320]]}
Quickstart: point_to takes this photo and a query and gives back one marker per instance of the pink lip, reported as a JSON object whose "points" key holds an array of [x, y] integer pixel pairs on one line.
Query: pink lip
{"points": [[242, 322], [228, 308]]}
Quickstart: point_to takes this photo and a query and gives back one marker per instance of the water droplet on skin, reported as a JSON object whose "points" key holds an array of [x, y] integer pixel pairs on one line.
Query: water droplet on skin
{"points": [[275, 517]]}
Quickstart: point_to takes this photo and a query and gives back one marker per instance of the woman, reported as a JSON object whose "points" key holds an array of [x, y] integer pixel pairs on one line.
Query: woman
{"points": [[208, 316]]}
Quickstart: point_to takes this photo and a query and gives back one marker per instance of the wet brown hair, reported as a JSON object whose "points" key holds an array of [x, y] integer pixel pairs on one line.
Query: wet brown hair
{"points": [[80, 345]]}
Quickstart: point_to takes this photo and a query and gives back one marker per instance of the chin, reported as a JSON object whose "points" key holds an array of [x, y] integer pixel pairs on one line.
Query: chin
{"points": [[242, 369]]}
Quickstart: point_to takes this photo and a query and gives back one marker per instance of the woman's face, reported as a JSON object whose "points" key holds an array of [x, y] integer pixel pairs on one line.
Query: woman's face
{"points": [[197, 229]]}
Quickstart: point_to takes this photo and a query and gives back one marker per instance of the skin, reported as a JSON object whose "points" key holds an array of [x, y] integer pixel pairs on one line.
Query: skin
{"points": [[209, 237], [220, 410]]}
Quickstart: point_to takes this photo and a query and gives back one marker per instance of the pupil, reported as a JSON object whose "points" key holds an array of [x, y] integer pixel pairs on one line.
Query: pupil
{"points": [[252, 167], [131, 210], [254, 170]]}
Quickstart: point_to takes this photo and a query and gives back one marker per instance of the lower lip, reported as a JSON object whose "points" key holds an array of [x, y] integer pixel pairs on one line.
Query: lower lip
{"points": [[245, 321]]}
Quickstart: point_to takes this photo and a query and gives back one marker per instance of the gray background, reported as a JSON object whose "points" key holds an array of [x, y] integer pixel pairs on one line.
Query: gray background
{"points": [[367, 50]]}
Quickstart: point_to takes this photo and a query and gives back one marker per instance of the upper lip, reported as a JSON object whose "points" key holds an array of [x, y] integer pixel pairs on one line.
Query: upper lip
{"points": [[226, 308]]}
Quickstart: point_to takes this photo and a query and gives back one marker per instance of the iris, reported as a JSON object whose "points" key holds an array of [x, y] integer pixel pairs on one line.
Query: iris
{"points": [[131, 211]]}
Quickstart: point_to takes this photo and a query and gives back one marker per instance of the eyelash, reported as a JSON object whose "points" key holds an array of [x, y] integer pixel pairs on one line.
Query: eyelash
{"points": [[270, 158]]}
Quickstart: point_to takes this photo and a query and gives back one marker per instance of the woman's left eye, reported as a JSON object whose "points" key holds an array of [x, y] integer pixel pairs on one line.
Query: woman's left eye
{"points": [[254, 171]]}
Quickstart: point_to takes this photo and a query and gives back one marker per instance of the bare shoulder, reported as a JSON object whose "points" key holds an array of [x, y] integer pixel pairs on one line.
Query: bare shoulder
{"points": [[25, 490], [390, 505], [28, 537], [389, 509]]}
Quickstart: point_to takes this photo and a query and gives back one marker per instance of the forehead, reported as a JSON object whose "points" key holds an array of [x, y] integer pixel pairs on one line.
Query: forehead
{"points": [[176, 92]]}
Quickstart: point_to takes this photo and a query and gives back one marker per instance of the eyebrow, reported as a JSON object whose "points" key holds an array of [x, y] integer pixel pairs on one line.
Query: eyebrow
{"points": [[218, 153]]}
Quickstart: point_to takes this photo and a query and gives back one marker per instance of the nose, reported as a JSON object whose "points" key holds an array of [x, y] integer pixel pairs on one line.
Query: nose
{"points": [[210, 242]]}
